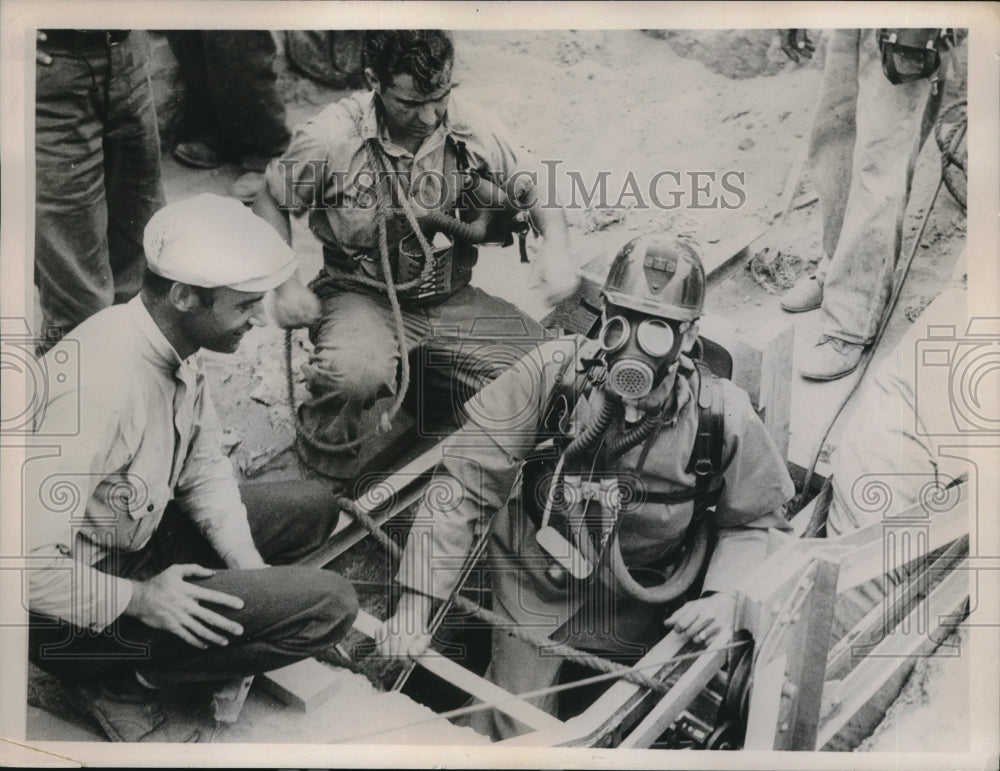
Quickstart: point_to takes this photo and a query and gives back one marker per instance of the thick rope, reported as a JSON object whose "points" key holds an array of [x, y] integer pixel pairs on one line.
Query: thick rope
{"points": [[502, 622], [955, 138], [389, 288], [538, 692]]}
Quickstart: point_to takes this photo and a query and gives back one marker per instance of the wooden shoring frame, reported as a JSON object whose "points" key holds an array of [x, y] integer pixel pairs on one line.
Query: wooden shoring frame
{"points": [[470, 682], [853, 692], [402, 485], [784, 712]]}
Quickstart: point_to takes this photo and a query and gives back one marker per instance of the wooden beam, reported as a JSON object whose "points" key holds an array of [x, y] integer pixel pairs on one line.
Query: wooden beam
{"points": [[476, 686], [303, 685], [855, 690], [677, 700], [765, 704], [869, 553], [799, 631], [402, 484], [762, 366], [611, 707], [887, 614]]}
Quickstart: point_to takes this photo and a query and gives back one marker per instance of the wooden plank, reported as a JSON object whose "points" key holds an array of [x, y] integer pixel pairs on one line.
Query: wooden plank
{"points": [[303, 685], [673, 703], [883, 615], [762, 366], [476, 686], [855, 690], [403, 484], [800, 629], [870, 553], [609, 707], [765, 704]]}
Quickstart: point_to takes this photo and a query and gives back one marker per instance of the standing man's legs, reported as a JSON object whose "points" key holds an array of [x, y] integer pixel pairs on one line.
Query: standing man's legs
{"points": [[831, 153], [132, 177], [72, 267], [892, 122]]}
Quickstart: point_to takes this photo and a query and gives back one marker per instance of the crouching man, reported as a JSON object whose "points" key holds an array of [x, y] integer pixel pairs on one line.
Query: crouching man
{"points": [[149, 568], [647, 487]]}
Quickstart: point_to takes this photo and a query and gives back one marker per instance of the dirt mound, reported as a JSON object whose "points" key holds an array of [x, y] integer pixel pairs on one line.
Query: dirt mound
{"points": [[739, 54]]}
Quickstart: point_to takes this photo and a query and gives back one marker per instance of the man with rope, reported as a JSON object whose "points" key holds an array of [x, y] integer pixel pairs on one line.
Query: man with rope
{"points": [[647, 485], [381, 174]]}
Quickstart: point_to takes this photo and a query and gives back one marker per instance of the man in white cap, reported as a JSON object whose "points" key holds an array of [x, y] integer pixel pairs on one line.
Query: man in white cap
{"points": [[150, 568]]}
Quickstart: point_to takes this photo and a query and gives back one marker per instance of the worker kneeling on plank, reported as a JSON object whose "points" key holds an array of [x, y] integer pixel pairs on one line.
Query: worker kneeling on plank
{"points": [[149, 567], [647, 485]]}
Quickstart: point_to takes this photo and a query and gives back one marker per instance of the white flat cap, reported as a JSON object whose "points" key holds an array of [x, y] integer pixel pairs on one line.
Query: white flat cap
{"points": [[211, 241]]}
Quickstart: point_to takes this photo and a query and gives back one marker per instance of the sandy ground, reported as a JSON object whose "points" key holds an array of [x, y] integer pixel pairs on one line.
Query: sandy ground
{"points": [[623, 102]]}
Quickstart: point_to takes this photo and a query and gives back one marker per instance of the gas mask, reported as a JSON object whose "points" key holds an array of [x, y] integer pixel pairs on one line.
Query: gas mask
{"points": [[638, 350]]}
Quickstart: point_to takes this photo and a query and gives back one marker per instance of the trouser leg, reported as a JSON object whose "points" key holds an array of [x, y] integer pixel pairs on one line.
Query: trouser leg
{"points": [[892, 123], [354, 363], [72, 268], [473, 338], [290, 612], [244, 99], [831, 148], [197, 116], [132, 178]]}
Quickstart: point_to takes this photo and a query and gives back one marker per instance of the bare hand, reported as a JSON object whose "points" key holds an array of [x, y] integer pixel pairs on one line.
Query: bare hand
{"points": [[168, 601], [294, 305], [703, 620], [405, 635], [558, 276], [40, 56], [795, 43]]}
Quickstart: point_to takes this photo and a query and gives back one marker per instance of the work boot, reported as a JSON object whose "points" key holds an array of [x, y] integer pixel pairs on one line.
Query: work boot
{"points": [[806, 295], [831, 358], [125, 717], [197, 155]]}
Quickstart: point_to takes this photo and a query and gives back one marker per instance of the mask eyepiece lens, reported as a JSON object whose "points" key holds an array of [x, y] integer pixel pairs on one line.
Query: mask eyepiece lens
{"points": [[614, 334], [655, 337]]}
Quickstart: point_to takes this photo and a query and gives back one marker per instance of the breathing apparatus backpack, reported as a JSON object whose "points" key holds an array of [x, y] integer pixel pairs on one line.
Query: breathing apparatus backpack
{"points": [[567, 545]]}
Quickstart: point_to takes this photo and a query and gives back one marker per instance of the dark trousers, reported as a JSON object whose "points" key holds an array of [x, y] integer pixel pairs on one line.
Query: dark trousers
{"points": [[290, 612], [97, 177], [230, 98]]}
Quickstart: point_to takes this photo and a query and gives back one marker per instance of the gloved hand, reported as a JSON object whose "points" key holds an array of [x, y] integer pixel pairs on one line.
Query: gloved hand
{"points": [[796, 44], [294, 305]]}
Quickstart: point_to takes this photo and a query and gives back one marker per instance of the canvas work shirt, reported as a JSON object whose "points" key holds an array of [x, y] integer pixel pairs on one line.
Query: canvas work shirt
{"points": [[326, 170], [147, 434], [481, 464]]}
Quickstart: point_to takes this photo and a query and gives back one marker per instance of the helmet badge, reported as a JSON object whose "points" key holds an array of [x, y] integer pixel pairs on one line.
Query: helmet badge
{"points": [[659, 269]]}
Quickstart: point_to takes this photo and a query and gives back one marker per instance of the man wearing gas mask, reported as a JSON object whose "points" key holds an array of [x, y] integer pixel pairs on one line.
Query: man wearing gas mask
{"points": [[627, 490]]}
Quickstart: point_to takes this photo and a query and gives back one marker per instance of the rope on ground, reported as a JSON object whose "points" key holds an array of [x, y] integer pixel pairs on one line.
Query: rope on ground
{"points": [[501, 622]]}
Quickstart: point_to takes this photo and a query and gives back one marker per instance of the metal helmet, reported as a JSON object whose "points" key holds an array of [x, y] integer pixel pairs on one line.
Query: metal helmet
{"points": [[657, 275]]}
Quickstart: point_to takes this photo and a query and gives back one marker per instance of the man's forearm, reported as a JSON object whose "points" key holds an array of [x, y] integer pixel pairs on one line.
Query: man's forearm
{"points": [[267, 208]]}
